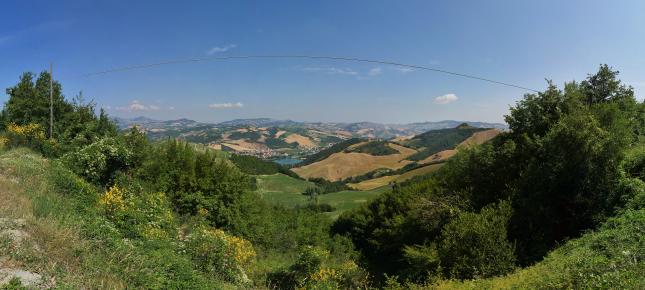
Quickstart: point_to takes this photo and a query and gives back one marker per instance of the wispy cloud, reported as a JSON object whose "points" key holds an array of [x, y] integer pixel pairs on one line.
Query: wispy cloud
{"points": [[375, 71], [331, 70], [219, 49], [4, 39], [137, 106], [404, 70], [226, 105], [445, 99]]}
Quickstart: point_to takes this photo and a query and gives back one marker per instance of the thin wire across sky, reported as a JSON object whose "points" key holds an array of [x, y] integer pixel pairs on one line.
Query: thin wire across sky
{"points": [[316, 57]]}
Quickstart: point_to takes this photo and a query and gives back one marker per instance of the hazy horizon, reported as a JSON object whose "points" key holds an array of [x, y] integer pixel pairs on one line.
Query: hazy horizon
{"points": [[301, 121]]}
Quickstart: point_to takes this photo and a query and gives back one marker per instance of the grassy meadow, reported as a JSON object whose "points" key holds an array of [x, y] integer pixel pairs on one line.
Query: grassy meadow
{"points": [[285, 190]]}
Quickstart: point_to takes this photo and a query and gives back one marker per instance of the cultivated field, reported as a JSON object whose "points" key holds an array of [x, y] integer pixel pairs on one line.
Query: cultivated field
{"points": [[342, 165]]}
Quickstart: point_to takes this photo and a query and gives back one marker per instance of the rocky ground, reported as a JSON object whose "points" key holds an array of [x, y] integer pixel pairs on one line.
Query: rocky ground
{"points": [[15, 244]]}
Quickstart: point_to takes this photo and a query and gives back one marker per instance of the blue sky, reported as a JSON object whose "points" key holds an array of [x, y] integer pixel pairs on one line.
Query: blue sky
{"points": [[518, 42]]}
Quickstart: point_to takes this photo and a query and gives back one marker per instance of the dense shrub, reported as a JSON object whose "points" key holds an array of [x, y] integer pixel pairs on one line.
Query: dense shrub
{"points": [[99, 162], [220, 254], [31, 135], [475, 245], [313, 269]]}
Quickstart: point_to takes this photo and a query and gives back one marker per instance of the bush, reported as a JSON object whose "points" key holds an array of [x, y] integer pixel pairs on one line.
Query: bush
{"points": [[139, 214], [100, 161], [31, 136], [220, 254], [474, 245], [313, 269]]}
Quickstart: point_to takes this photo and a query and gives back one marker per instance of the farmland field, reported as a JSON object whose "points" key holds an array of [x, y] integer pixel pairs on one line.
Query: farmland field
{"points": [[287, 191]]}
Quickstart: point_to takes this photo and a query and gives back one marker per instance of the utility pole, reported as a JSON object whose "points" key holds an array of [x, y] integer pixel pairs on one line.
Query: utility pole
{"points": [[51, 101]]}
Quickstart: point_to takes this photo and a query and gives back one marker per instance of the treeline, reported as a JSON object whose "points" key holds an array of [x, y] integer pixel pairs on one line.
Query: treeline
{"points": [[168, 199], [256, 166], [75, 123], [376, 148], [434, 141], [566, 165]]}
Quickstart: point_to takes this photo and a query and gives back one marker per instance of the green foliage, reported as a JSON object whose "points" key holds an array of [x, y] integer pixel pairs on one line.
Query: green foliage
{"points": [[75, 123], [338, 147], [611, 257], [376, 148], [99, 162], [256, 166], [435, 141], [474, 245], [327, 186], [277, 143], [568, 163], [313, 269], [196, 180], [249, 135], [220, 254]]}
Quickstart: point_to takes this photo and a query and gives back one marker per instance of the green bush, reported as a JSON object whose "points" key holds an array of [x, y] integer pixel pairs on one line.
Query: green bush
{"points": [[220, 254], [475, 245], [100, 161]]}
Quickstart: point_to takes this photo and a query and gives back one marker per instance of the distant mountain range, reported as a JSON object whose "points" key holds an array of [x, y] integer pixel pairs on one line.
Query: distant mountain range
{"points": [[271, 138], [358, 129]]}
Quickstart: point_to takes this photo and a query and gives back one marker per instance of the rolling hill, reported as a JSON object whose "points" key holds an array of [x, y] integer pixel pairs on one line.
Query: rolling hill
{"points": [[371, 164]]}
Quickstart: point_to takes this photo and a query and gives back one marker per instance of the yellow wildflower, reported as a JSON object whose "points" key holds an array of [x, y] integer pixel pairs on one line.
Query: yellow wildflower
{"points": [[113, 199]]}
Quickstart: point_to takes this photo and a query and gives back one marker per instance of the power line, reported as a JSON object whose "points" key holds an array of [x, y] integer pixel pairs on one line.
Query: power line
{"points": [[419, 67]]}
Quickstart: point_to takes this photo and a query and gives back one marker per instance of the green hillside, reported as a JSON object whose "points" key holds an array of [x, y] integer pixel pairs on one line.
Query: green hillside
{"points": [[435, 141], [611, 257], [376, 148]]}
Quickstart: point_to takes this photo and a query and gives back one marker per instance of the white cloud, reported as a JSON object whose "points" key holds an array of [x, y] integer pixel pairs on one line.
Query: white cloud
{"points": [[218, 49], [404, 70], [331, 70], [445, 99], [137, 106], [226, 105], [375, 71], [171, 108]]}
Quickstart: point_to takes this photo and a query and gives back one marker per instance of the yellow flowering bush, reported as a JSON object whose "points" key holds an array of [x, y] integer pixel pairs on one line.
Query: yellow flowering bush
{"points": [[29, 131], [221, 254], [315, 270], [141, 215], [3, 142], [30, 135], [112, 200]]}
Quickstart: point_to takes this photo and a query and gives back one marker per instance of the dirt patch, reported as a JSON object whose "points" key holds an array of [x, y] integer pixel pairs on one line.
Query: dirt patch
{"points": [[280, 133], [302, 141]]}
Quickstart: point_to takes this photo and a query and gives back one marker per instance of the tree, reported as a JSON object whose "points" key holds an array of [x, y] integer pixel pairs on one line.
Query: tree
{"points": [[75, 123], [475, 245]]}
